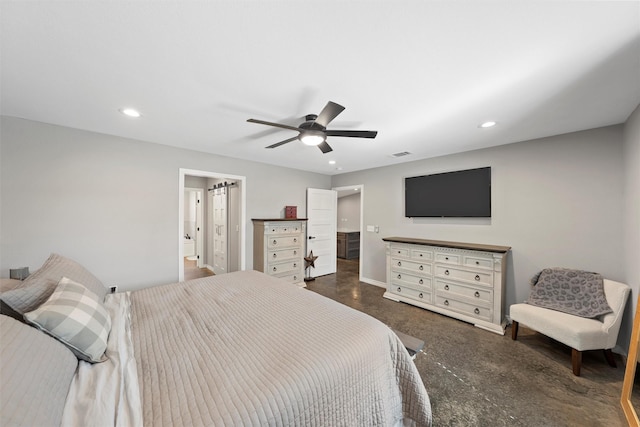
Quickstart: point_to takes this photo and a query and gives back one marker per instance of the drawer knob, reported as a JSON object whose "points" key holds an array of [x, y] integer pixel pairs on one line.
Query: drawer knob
{"points": [[476, 311], [399, 276], [295, 252], [446, 272], [446, 302], [447, 258], [420, 281], [477, 262], [399, 289], [446, 287], [477, 294], [275, 242], [399, 263], [421, 268], [477, 277], [295, 277], [399, 252], [275, 255], [420, 255], [275, 269], [295, 264], [295, 240], [420, 295]]}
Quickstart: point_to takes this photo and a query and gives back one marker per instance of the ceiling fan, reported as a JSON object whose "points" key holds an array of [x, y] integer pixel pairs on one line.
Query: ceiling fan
{"points": [[314, 130]]}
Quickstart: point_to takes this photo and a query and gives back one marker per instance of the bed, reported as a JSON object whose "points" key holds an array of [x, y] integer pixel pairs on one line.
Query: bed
{"points": [[242, 348]]}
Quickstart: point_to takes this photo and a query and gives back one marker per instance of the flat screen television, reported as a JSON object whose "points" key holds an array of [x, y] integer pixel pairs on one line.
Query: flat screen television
{"points": [[465, 193]]}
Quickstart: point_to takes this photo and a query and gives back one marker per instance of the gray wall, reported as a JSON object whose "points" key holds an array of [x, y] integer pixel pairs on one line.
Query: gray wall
{"points": [[557, 201], [112, 203], [349, 213], [631, 210]]}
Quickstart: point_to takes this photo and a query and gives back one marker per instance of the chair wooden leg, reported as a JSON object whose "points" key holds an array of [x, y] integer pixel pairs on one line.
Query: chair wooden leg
{"points": [[608, 354], [576, 361], [514, 330]]}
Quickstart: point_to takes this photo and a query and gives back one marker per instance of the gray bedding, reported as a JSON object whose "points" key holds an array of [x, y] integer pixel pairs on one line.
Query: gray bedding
{"points": [[247, 349]]}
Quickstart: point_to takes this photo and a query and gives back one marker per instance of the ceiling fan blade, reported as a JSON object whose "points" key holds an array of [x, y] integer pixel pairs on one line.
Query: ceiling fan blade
{"points": [[279, 125], [277, 144], [328, 113], [324, 147], [353, 133]]}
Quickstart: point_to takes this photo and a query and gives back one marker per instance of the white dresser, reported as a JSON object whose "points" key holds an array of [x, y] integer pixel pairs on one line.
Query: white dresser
{"points": [[461, 280], [278, 248]]}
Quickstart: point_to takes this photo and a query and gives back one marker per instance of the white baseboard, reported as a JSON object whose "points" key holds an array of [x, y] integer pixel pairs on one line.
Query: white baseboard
{"points": [[374, 282]]}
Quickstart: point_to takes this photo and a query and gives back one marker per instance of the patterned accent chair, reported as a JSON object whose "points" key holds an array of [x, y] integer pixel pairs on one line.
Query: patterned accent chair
{"points": [[579, 333]]}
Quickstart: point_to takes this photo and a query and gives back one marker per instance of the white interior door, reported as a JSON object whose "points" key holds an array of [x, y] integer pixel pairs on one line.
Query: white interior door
{"points": [[220, 241], [322, 212]]}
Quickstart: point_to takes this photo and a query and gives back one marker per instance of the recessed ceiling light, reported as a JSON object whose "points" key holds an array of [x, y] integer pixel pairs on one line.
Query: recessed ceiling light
{"points": [[130, 112], [488, 124], [332, 162]]}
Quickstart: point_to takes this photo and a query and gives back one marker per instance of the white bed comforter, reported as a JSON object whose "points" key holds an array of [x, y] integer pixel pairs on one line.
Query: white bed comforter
{"points": [[247, 349]]}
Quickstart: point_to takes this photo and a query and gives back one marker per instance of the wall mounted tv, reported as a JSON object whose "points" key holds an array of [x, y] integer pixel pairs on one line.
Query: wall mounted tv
{"points": [[465, 193]]}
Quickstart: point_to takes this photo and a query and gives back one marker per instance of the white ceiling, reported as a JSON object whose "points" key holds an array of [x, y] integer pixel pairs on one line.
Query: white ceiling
{"points": [[424, 74]]}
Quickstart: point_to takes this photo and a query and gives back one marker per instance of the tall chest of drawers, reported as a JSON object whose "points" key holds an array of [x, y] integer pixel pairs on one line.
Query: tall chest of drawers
{"points": [[278, 248], [461, 280]]}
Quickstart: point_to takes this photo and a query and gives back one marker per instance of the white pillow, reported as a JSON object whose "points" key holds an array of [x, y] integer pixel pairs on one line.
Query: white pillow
{"points": [[75, 316]]}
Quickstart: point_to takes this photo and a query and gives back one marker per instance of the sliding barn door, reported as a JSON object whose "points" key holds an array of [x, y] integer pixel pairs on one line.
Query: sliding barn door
{"points": [[220, 230]]}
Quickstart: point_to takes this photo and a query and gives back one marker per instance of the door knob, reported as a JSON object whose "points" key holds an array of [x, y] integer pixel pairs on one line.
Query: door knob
{"points": [[312, 237]]}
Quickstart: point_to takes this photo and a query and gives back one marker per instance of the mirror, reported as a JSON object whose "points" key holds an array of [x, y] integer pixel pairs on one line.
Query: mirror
{"points": [[630, 372]]}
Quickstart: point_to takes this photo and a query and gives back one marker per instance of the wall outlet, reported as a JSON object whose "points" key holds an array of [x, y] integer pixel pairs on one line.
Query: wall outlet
{"points": [[113, 289]]}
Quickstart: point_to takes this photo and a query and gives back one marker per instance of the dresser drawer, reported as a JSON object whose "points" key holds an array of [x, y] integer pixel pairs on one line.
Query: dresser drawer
{"points": [[472, 310], [478, 262], [421, 254], [291, 228], [401, 251], [404, 279], [284, 254], [403, 264], [481, 295], [292, 276], [478, 277], [283, 267], [447, 258], [419, 295], [283, 241]]}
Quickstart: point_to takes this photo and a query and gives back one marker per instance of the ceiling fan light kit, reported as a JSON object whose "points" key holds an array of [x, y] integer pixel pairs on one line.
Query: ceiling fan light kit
{"points": [[314, 130], [311, 137]]}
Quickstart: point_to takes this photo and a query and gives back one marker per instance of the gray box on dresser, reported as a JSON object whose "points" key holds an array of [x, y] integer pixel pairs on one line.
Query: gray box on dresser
{"points": [[278, 248], [461, 280]]}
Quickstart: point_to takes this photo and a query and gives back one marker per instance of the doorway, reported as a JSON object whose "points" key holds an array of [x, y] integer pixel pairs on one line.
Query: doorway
{"points": [[235, 232], [350, 227], [193, 228]]}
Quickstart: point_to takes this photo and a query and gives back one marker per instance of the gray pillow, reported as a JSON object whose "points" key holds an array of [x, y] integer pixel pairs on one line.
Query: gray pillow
{"points": [[36, 374], [39, 286], [75, 316], [576, 292]]}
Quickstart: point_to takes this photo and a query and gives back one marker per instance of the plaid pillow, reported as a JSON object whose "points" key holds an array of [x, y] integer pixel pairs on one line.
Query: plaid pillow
{"points": [[75, 316]]}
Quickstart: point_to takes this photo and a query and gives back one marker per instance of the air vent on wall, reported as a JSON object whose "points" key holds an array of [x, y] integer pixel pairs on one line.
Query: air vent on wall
{"points": [[401, 154]]}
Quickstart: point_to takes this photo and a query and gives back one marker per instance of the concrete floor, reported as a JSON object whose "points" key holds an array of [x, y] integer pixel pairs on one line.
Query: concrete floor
{"points": [[478, 378]]}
